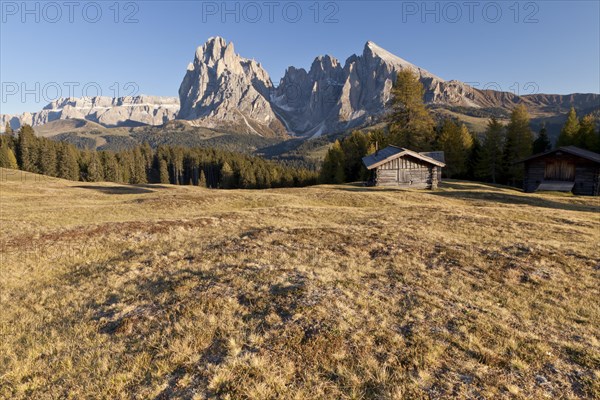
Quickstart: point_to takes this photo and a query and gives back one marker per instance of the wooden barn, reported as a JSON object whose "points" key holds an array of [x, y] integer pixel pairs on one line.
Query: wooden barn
{"points": [[396, 166], [565, 169]]}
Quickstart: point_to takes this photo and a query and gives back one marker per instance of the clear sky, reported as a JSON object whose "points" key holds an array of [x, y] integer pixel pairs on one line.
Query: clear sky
{"points": [[524, 47]]}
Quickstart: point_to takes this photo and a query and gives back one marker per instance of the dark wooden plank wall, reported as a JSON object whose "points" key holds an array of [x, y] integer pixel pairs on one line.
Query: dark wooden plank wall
{"points": [[587, 175], [407, 172], [587, 180], [534, 174]]}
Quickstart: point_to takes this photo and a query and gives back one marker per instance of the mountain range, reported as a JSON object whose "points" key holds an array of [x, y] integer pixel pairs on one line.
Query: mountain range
{"points": [[226, 92]]}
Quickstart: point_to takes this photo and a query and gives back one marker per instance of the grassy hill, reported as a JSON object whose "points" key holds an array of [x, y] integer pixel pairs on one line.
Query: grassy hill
{"points": [[342, 292]]}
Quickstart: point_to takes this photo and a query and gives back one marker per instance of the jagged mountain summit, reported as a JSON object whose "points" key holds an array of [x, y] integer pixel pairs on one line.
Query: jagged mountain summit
{"points": [[224, 91], [220, 87], [334, 97]]}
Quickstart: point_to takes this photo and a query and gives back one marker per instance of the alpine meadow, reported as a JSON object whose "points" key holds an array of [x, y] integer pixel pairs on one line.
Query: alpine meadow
{"points": [[247, 224]]}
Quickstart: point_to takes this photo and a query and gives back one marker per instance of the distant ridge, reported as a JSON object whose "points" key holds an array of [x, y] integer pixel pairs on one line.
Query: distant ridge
{"points": [[224, 91]]}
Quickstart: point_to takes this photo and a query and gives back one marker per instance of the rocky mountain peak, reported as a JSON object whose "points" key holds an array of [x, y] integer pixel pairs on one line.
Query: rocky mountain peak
{"points": [[375, 55], [223, 89], [214, 50], [325, 62], [324, 66], [372, 49]]}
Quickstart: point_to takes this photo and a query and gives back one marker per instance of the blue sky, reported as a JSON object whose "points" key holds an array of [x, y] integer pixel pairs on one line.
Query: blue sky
{"points": [[523, 47]]}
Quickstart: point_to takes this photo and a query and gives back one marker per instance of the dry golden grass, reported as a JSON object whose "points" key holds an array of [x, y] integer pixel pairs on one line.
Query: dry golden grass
{"points": [[339, 292]]}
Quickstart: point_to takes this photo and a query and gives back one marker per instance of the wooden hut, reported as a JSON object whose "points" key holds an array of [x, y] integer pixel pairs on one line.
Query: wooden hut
{"points": [[396, 166], [565, 169]]}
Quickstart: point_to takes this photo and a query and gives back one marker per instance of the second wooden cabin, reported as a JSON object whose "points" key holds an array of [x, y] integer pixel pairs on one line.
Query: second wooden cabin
{"points": [[566, 169], [397, 166]]}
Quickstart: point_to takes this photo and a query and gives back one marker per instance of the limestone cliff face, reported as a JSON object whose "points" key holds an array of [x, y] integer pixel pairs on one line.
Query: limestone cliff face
{"points": [[222, 89], [107, 111], [306, 99], [333, 98]]}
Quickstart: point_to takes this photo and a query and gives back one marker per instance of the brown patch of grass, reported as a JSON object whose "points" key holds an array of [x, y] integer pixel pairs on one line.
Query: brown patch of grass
{"points": [[472, 291]]}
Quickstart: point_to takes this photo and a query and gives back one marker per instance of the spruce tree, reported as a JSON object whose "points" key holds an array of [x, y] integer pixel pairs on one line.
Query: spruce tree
{"points": [[518, 145], [110, 166], [125, 162], [542, 143], [163, 169], [8, 130], [176, 164], [490, 163], [95, 171], [140, 165], [202, 178], [27, 149], [146, 152], [570, 130], [67, 161], [46, 159], [411, 125]]}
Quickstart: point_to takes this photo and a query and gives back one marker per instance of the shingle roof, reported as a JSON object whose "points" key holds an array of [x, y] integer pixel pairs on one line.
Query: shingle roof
{"points": [[573, 150], [392, 152], [436, 155]]}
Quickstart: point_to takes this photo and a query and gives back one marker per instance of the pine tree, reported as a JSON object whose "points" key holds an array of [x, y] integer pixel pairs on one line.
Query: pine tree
{"points": [[124, 160], [27, 149], [490, 162], [7, 158], [518, 145], [95, 171], [147, 155], [176, 164], [139, 167], [570, 130], [542, 143], [456, 142], [586, 136], [163, 168], [67, 161], [46, 159], [202, 178], [110, 167], [411, 125]]}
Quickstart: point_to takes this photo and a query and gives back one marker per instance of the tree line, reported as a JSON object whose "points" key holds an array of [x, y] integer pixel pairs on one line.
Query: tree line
{"points": [[491, 157], [176, 165]]}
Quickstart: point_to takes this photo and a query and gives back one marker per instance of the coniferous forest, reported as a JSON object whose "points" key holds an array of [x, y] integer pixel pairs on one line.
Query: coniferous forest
{"points": [[211, 168], [491, 157]]}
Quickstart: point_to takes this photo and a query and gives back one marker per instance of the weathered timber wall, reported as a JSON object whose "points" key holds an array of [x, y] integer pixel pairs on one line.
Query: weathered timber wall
{"points": [[587, 174], [407, 172]]}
